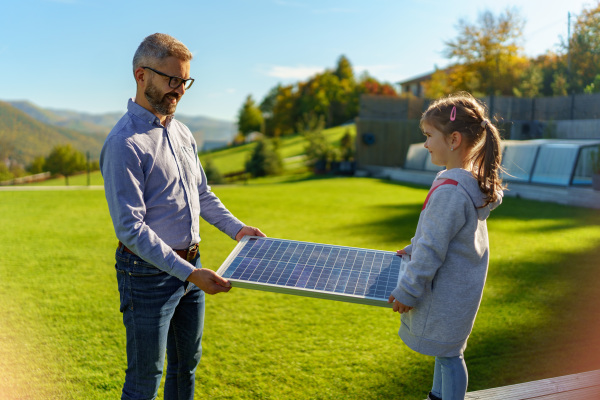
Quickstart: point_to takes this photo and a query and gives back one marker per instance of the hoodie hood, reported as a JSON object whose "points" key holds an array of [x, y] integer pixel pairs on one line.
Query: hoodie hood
{"points": [[468, 184]]}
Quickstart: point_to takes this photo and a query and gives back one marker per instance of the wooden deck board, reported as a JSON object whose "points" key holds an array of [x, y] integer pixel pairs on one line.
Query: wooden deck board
{"points": [[576, 386]]}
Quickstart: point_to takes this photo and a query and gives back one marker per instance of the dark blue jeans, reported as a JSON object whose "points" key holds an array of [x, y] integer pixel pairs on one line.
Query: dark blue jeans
{"points": [[161, 314]]}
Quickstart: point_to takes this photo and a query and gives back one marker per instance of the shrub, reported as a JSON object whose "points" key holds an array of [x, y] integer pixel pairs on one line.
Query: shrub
{"points": [[264, 160]]}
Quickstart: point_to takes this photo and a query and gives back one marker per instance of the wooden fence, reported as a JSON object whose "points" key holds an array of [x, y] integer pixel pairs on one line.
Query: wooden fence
{"points": [[387, 126]]}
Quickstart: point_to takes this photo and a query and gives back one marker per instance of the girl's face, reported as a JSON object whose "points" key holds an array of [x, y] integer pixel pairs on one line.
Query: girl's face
{"points": [[437, 145]]}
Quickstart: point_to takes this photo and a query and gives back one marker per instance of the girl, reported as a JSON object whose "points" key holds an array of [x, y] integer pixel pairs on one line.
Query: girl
{"points": [[445, 266]]}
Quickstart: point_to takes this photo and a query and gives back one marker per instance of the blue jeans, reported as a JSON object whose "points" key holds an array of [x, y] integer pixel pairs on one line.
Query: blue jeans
{"points": [[160, 313], [450, 378]]}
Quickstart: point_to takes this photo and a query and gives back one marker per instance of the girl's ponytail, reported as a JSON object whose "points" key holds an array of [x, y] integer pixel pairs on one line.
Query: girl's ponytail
{"points": [[486, 160]]}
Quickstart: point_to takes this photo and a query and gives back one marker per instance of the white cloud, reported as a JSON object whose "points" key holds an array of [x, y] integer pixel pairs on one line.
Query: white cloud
{"points": [[299, 72]]}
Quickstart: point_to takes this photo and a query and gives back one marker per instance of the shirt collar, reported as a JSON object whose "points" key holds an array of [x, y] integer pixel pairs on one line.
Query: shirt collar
{"points": [[145, 115]]}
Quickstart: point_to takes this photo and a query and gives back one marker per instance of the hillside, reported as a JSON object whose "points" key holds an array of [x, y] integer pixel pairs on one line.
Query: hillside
{"points": [[203, 128], [22, 137]]}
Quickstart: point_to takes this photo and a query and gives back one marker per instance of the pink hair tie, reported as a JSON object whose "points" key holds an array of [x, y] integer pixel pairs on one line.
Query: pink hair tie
{"points": [[484, 123], [453, 113]]}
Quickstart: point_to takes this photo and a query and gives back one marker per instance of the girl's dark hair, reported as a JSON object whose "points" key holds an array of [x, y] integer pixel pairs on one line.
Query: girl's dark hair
{"points": [[461, 112]]}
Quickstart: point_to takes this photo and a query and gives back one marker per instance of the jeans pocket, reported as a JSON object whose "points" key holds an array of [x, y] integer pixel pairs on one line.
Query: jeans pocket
{"points": [[124, 290], [141, 269]]}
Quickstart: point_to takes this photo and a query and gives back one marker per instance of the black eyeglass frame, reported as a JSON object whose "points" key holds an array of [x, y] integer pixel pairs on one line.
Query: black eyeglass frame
{"points": [[177, 79]]}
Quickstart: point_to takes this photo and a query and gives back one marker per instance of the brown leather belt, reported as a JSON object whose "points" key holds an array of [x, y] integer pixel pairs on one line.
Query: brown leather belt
{"points": [[189, 254]]}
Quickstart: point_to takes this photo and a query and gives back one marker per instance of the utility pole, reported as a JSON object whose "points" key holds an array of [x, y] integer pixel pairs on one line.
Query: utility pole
{"points": [[569, 75], [569, 45]]}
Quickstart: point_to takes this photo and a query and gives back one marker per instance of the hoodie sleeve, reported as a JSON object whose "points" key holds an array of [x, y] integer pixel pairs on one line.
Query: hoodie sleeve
{"points": [[440, 221]]}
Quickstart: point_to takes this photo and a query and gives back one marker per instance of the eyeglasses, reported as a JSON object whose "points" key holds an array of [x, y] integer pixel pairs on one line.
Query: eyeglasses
{"points": [[174, 81]]}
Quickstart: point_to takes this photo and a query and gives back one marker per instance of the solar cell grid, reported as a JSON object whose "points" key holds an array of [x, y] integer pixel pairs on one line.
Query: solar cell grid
{"points": [[313, 269]]}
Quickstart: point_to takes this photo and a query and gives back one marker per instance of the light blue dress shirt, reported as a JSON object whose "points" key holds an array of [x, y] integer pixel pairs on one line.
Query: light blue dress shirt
{"points": [[156, 189]]}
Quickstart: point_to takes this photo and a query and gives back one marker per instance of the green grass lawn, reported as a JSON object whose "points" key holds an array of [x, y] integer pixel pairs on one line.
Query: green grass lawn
{"points": [[291, 151], [61, 335]]}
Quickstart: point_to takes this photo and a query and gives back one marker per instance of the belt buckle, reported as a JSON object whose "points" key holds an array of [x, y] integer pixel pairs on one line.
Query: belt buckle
{"points": [[191, 252]]}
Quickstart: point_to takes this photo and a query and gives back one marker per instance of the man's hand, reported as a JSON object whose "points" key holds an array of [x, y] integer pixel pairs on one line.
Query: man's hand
{"points": [[399, 307], [208, 281], [248, 231]]}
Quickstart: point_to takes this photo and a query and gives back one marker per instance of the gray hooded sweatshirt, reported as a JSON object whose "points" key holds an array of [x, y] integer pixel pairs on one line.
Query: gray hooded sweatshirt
{"points": [[445, 267]]}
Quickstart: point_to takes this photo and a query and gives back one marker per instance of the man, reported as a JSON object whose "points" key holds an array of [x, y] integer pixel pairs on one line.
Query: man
{"points": [[156, 190]]}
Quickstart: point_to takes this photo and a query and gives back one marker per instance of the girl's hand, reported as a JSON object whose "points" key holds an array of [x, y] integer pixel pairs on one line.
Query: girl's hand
{"points": [[400, 252], [399, 307]]}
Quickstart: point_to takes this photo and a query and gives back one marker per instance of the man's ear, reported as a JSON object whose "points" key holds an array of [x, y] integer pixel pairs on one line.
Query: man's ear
{"points": [[140, 75]]}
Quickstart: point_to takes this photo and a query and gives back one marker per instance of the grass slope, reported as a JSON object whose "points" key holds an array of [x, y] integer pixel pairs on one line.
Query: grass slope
{"points": [[291, 149], [61, 335]]}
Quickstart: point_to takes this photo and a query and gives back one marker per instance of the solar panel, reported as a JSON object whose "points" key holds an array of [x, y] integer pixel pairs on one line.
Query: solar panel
{"points": [[312, 269]]}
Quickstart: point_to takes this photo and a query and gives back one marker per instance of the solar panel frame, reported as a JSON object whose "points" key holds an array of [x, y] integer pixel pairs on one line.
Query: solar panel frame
{"points": [[313, 270]]}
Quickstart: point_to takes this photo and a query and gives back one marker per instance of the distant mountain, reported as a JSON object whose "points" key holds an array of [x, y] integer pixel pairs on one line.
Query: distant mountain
{"points": [[23, 138], [203, 128]]}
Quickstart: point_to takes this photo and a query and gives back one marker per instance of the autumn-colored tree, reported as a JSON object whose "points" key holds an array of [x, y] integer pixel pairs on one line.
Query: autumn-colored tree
{"points": [[438, 85], [250, 117], [332, 95], [366, 84], [343, 105], [583, 49], [488, 54], [531, 82], [553, 68], [285, 112]]}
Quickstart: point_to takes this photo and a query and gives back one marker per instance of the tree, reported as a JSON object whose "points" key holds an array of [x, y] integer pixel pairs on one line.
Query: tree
{"points": [[531, 83], [37, 165], [344, 69], [489, 55], [318, 151], [264, 160], [553, 67], [593, 87], [347, 146], [583, 48], [285, 111], [213, 175], [250, 118], [437, 86], [560, 85], [65, 160], [333, 94]]}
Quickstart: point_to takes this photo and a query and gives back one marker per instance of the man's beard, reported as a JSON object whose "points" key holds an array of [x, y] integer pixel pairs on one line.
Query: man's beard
{"points": [[160, 102]]}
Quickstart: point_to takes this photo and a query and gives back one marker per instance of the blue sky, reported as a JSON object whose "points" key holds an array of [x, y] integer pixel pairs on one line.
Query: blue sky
{"points": [[76, 54]]}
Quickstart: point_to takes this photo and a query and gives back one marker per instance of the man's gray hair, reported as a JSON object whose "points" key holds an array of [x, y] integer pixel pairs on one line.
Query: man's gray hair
{"points": [[157, 47]]}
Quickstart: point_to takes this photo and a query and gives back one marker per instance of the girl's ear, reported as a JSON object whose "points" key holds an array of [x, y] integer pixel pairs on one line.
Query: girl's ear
{"points": [[455, 139]]}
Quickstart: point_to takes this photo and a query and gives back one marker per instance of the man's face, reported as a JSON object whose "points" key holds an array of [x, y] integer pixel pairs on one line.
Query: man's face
{"points": [[159, 94]]}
